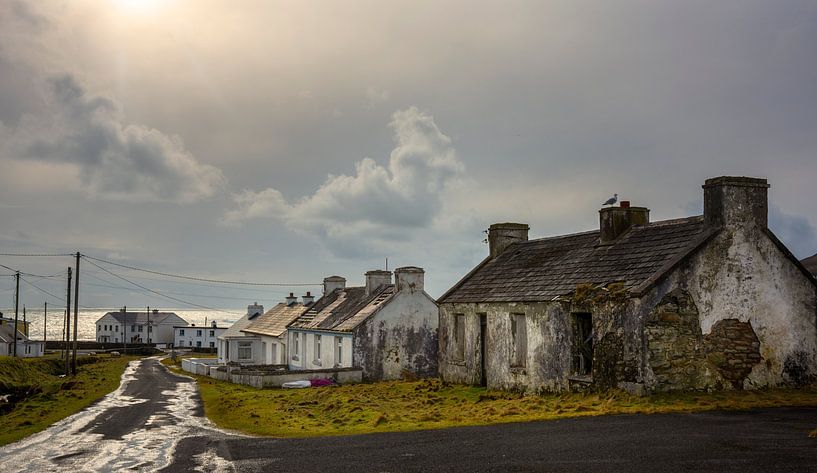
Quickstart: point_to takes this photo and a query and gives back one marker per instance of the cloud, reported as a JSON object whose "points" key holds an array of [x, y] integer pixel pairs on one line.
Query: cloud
{"points": [[795, 231], [378, 204], [115, 159]]}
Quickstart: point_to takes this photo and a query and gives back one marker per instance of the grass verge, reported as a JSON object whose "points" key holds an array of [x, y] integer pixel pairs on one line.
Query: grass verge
{"points": [[396, 406], [47, 398]]}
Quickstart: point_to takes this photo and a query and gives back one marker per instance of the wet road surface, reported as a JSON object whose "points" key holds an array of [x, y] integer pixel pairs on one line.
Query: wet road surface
{"points": [[154, 422], [135, 428]]}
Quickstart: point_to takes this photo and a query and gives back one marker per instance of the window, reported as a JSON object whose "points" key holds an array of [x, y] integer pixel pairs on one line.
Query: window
{"points": [[150, 329], [459, 337], [212, 344], [99, 328], [198, 333], [212, 333], [141, 327], [116, 328], [519, 334], [198, 344], [181, 332], [338, 351], [190, 343], [583, 344], [273, 353], [317, 349], [245, 350], [297, 345], [133, 328]]}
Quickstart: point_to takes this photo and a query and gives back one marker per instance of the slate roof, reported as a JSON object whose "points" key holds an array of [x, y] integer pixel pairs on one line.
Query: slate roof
{"points": [[810, 264], [236, 328], [274, 321], [157, 318], [542, 269], [344, 309]]}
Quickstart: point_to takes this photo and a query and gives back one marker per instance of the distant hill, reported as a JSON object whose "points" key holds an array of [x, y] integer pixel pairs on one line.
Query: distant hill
{"points": [[811, 264]]}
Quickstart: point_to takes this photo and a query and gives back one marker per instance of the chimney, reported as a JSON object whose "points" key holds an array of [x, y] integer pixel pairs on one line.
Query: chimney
{"points": [[308, 298], [409, 278], [375, 279], [333, 282], [734, 201], [614, 221], [254, 309], [503, 235], [291, 299]]}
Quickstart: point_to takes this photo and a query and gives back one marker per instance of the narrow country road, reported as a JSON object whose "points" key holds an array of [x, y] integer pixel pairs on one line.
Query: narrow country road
{"points": [[135, 428], [154, 422]]}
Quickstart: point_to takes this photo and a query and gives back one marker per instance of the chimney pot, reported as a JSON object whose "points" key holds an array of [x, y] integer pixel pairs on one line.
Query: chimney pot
{"points": [[625, 204]]}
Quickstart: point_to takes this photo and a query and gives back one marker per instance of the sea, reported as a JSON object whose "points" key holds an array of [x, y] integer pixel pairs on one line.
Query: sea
{"points": [[52, 322]]}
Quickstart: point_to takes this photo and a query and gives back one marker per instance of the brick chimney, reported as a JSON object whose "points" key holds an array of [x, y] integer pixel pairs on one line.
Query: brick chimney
{"points": [[375, 279], [614, 221], [409, 278], [333, 282], [736, 201], [503, 235]]}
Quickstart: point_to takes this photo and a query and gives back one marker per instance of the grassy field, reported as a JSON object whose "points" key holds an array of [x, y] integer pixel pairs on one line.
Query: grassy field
{"points": [[50, 398], [430, 404]]}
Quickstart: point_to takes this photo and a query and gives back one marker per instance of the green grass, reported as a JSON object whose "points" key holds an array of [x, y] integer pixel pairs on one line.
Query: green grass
{"points": [[430, 404], [52, 398]]}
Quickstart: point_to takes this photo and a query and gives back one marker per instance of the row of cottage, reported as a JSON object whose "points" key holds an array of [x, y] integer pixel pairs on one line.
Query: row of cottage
{"points": [[710, 301]]}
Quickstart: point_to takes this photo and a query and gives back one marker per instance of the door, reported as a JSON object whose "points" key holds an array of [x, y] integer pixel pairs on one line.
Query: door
{"points": [[483, 327]]}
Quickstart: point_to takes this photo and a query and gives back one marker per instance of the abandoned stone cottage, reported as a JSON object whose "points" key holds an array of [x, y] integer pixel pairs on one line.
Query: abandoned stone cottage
{"points": [[712, 301], [388, 330]]}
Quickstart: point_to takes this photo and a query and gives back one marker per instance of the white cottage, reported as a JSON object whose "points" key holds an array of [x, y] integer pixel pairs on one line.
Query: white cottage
{"points": [[271, 328], [138, 327], [388, 330], [239, 347], [26, 347]]}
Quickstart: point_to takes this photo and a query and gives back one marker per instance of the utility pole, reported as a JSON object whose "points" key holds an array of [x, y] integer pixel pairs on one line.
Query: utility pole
{"points": [[76, 311], [125, 333], [67, 321], [148, 327], [16, 307], [25, 321], [45, 325]]}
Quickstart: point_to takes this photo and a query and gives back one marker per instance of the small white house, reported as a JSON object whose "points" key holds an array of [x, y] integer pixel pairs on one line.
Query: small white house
{"points": [[270, 328], [191, 336], [388, 330], [138, 327], [26, 347], [239, 347]]}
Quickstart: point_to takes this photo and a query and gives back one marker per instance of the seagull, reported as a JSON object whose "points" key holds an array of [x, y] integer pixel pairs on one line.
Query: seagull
{"points": [[611, 200]]}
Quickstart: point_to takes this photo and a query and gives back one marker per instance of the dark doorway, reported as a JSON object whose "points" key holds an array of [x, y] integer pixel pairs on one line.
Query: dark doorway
{"points": [[582, 344], [483, 327]]}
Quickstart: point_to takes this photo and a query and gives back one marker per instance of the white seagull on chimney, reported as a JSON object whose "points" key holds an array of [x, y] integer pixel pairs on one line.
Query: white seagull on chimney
{"points": [[611, 200]]}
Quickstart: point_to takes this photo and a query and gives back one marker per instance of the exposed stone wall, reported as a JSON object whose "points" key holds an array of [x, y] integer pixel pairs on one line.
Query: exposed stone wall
{"points": [[734, 349]]}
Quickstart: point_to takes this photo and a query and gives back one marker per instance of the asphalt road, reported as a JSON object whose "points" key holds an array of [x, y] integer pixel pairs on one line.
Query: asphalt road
{"points": [[154, 422]]}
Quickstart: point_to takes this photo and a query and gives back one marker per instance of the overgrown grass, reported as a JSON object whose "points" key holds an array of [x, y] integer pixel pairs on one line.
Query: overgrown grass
{"points": [[49, 398], [430, 404]]}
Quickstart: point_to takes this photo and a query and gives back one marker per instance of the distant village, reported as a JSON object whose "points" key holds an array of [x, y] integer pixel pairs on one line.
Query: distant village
{"points": [[714, 301]]}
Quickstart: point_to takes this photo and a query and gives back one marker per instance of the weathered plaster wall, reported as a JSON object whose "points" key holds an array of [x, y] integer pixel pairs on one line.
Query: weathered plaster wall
{"points": [[400, 340], [749, 297], [549, 363]]}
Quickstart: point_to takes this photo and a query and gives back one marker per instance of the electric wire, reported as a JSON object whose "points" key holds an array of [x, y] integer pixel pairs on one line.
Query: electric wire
{"points": [[194, 278], [23, 273], [159, 293]]}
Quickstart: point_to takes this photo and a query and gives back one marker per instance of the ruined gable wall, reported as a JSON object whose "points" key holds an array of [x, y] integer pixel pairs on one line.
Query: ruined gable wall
{"points": [[400, 340], [755, 313]]}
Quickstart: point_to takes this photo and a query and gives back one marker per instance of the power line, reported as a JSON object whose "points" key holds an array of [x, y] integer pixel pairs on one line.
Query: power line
{"points": [[159, 293], [42, 290], [32, 275], [194, 278], [36, 254]]}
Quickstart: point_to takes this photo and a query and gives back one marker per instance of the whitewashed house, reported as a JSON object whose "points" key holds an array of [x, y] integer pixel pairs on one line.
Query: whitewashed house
{"points": [[137, 327], [26, 347], [270, 328], [191, 336], [388, 330], [238, 347]]}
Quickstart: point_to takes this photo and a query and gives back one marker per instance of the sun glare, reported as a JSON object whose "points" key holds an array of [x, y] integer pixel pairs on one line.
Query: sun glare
{"points": [[142, 7]]}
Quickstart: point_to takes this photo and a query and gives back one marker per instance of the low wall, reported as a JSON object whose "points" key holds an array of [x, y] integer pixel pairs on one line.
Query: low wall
{"points": [[199, 366], [259, 378]]}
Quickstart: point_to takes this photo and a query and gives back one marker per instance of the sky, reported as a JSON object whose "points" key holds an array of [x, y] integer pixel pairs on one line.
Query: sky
{"points": [[285, 141]]}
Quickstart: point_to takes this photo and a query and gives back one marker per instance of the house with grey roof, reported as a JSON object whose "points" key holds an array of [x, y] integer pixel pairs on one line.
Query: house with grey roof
{"points": [[387, 330], [235, 346], [26, 347], [706, 302], [137, 327]]}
